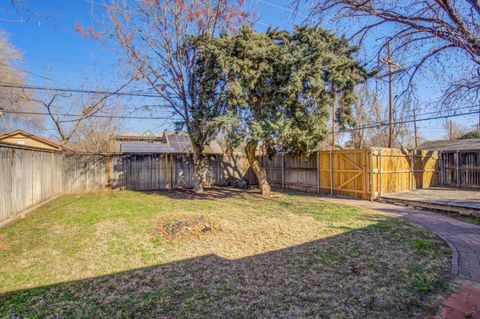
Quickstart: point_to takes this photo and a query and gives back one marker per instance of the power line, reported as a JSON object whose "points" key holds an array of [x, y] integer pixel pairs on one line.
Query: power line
{"points": [[437, 112], [268, 3], [94, 116], [28, 72], [367, 126], [273, 5], [380, 124], [56, 89]]}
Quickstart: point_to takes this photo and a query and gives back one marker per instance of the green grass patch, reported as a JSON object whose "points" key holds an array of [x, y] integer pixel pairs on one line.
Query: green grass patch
{"points": [[465, 218]]}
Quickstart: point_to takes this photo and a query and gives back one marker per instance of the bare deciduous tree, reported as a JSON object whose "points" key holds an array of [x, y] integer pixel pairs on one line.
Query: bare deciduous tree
{"points": [[454, 131], [69, 114], [97, 135], [156, 38], [14, 103], [425, 35], [18, 11], [371, 123]]}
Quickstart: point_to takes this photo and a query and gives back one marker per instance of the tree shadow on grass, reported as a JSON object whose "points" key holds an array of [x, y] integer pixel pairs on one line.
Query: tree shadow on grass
{"points": [[387, 270], [210, 193]]}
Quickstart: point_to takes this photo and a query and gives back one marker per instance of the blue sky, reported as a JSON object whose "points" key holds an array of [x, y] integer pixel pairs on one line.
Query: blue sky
{"points": [[55, 55]]}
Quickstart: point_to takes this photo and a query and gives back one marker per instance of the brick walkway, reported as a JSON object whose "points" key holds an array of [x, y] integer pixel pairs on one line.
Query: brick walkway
{"points": [[465, 303], [463, 238]]}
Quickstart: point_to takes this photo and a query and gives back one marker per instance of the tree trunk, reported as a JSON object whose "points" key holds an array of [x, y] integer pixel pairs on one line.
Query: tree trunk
{"points": [[198, 169], [250, 150]]}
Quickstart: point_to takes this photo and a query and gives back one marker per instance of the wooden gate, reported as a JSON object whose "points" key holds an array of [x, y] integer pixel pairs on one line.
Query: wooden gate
{"points": [[346, 172]]}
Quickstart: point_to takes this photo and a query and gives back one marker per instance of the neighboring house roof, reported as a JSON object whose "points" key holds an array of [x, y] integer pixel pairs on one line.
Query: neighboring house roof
{"points": [[23, 134], [469, 144], [41, 142], [168, 142], [147, 135], [130, 147]]}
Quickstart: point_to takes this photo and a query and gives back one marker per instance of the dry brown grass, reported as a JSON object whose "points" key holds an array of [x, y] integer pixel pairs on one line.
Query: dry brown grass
{"points": [[147, 255], [4, 245], [196, 227]]}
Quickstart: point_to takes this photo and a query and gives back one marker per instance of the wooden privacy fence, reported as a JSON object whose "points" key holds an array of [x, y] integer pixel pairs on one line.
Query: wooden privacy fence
{"points": [[30, 176], [27, 177], [365, 174], [90, 173], [460, 169]]}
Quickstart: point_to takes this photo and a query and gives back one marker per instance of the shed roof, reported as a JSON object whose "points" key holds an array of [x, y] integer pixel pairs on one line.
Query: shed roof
{"points": [[468, 144]]}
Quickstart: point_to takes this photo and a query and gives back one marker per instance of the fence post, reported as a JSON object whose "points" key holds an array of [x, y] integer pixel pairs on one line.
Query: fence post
{"points": [[457, 160], [440, 167], [412, 169], [379, 172], [372, 179], [32, 176], [318, 172], [166, 171], [171, 171], [283, 170], [365, 174], [331, 173], [109, 181]]}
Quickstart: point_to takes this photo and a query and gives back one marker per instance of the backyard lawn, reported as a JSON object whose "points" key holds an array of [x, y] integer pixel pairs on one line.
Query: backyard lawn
{"points": [[224, 254]]}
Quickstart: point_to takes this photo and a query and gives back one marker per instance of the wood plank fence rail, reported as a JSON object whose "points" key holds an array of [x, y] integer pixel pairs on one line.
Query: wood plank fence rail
{"points": [[460, 169]]}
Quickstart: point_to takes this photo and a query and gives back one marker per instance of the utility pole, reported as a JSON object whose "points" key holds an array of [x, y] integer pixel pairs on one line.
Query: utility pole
{"points": [[450, 130], [390, 98], [415, 127]]}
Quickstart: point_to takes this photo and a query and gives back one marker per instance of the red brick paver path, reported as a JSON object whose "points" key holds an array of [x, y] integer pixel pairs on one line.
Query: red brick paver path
{"points": [[465, 303]]}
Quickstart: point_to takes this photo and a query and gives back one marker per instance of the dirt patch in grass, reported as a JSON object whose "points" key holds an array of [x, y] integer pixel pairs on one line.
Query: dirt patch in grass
{"points": [[4, 245], [192, 228]]}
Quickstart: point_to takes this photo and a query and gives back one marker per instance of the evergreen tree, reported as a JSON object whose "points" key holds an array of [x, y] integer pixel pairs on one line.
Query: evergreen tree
{"points": [[279, 88]]}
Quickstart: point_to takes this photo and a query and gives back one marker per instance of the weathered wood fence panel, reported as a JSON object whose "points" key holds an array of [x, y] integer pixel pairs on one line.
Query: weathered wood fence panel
{"points": [[27, 178], [84, 173], [92, 173], [292, 172], [460, 169]]}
